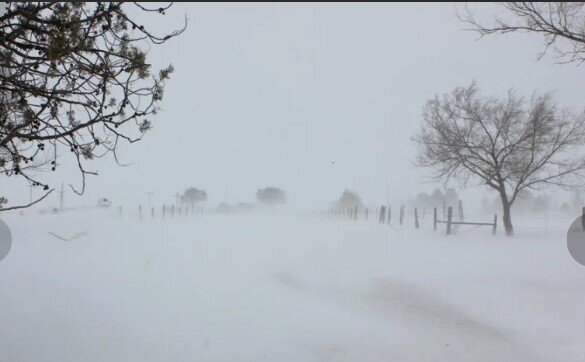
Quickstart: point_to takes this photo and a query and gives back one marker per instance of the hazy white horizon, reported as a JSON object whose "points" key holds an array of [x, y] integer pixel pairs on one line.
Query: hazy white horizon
{"points": [[313, 98]]}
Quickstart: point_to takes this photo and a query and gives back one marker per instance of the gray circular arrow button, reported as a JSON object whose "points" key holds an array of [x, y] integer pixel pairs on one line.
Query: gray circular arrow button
{"points": [[5, 240]]}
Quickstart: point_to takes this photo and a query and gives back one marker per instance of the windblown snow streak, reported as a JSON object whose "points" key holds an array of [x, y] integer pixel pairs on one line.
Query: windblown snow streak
{"points": [[280, 287]]}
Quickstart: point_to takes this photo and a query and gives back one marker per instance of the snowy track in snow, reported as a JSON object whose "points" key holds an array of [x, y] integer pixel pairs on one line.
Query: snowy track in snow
{"points": [[284, 288]]}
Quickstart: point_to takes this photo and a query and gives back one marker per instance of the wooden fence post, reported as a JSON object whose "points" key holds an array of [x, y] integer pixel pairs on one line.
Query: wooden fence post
{"points": [[444, 209], [355, 211], [382, 214], [435, 219], [461, 218], [140, 212], [449, 218], [401, 214], [415, 218], [152, 212], [495, 224], [389, 214]]}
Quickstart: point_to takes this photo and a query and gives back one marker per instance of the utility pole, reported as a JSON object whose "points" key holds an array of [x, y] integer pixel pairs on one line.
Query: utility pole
{"points": [[149, 197]]}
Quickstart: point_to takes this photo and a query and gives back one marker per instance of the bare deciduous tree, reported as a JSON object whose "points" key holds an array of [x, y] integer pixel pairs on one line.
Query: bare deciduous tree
{"points": [[192, 196], [271, 196], [349, 199], [562, 25], [508, 144], [74, 80]]}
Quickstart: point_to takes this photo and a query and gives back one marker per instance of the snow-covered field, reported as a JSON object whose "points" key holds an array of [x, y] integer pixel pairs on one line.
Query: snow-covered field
{"points": [[282, 287]]}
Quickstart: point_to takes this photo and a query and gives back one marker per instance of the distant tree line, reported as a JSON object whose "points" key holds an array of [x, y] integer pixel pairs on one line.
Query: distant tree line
{"points": [[193, 196], [271, 196], [349, 199], [437, 198]]}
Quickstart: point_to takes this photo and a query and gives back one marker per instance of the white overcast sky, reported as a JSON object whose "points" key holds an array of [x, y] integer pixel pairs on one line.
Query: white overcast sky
{"points": [[272, 94]]}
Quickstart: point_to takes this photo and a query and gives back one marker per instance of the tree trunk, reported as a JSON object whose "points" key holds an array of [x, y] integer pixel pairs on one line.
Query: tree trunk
{"points": [[507, 217]]}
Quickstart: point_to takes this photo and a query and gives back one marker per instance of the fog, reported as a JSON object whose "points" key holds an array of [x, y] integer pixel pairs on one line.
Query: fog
{"points": [[312, 98], [275, 212]]}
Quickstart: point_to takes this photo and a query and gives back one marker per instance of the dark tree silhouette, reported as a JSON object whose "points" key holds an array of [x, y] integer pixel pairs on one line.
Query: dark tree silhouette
{"points": [[74, 79], [508, 144], [271, 196], [437, 199], [193, 196], [350, 199]]}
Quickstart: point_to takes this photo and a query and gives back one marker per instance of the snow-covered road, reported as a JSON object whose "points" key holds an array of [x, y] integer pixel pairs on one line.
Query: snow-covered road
{"points": [[284, 288]]}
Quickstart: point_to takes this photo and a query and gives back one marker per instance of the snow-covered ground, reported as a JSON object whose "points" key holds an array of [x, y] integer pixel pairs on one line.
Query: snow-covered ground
{"points": [[279, 287]]}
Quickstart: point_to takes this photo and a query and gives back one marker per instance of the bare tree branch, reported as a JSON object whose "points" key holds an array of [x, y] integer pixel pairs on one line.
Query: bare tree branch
{"points": [[74, 81], [507, 144], [3, 209], [561, 24]]}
